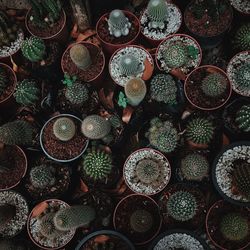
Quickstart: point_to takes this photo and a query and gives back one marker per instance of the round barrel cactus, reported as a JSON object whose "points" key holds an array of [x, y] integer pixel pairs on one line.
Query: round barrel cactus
{"points": [[130, 65], [243, 118], [241, 39], [47, 227], [64, 129], [141, 221], [77, 93]]}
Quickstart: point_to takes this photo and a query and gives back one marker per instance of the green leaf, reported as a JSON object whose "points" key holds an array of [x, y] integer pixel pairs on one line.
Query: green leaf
{"points": [[122, 100]]}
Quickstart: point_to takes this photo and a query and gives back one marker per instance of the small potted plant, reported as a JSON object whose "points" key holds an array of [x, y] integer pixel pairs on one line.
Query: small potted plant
{"points": [[137, 217], [146, 171], [242, 6], [117, 29], [239, 40], [159, 20], [207, 87], [14, 213]]}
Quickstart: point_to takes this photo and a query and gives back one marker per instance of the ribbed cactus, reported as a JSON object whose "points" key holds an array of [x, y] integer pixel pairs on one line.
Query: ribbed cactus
{"points": [[243, 118], [7, 212], [27, 92], [182, 206], [95, 127], [194, 167], [242, 76], [42, 176], [241, 39], [157, 12], [16, 132], [80, 56], [141, 221], [118, 23], [234, 227], [64, 129], [96, 164], [135, 90], [74, 217], [200, 130], [130, 65], [33, 49], [3, 81], [214, 85], [163, 89], [115, 121]]}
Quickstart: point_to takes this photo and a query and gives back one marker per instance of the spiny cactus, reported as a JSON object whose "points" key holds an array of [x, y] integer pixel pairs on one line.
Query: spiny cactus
{"points": [[7, 212], [162, 135], [182, 206], [130, 65], [27, 92], [118, 23], [214, 85], [80, 56], [64, 129], [141, 221], [163, 89], [95, 127], [242, 76], [234, 227], [16, 132], [33, 49], [3, 81], [73, 217], [135, 90], [200, 130], [42, 176], [96, 164], [241, 39], [243, 118], [194, 167]]}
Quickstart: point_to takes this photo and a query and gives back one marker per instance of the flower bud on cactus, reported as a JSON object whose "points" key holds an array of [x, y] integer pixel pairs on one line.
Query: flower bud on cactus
{"points": [[243, 118], [130, 65], [242, 77], [80, 56], [141, 221], [7, 212], [3, 81], [64, 129], [77, 93], [241, 39]]}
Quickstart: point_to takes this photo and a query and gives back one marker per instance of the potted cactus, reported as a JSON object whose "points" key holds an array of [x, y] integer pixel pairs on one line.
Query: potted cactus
{"points": [[242, 6], [117, 29], [137, 217], [159, 20], [61, 138]]}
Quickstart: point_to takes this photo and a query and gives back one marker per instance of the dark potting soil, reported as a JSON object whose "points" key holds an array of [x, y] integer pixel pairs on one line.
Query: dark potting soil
{"points": [[17, 163], [10, 85], [90, 73], [103, 31]]}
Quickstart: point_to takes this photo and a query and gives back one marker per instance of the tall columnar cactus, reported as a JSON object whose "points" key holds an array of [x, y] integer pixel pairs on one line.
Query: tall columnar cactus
{"points": [[214, 85], [64, 129], [182, 206], [3, 81], [80, 56], [135, 90], [234, 227], [16, 132], [163, 89], [27, 92], [243, 118], [33, 49], [77, 93], [95, 127], [96, 164], [118, 23], [73, 217], [130, 65], [7, 212], [200, 130], [242, 76], [42, 176], [141, 221], [241, 39]]}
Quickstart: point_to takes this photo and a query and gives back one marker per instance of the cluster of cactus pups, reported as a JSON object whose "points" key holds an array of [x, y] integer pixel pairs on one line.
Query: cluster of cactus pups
{"points": [[80, 56], [242, 77], [3, 81]]}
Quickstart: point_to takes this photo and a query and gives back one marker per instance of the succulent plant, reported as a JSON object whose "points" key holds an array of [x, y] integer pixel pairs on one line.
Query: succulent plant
{"points": [[7, 212], [27, 92], [122, 100], [141, 221], [115, 121], [16, 132], [95, 127], [163, 89], [73, 217], [130, 65], [243, 118], [182, 206], [242, 76], [80, 56], [234, 226], [241, 39], [64, 129], [200, 130], [96, 164], [118, 24], [135, 90], [3, 81], [42, 176], [214, 85], [33, 49], [194, 167]]}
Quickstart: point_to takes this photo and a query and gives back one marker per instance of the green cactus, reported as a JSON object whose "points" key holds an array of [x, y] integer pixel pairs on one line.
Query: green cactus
{"points": [[234, 226], [241, 39], [27, 92], [80, 56], [163, 89], [16, 132], [42, 176], [243, 118], [74, 217], [118, 24], [115, 121], [135, 90], [11, 245], [95, 127], [194, 167], [182, 206], [3, 81], [130, 66], [69, 80], [64, 129], [141, 221], [33, 49], [242, 77], [200, 130], [7, 212]]}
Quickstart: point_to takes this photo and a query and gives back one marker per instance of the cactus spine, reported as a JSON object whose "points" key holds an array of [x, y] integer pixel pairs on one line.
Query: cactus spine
{"points": [[243, 118], [130, 65], [77, 93], [64, 129]]}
